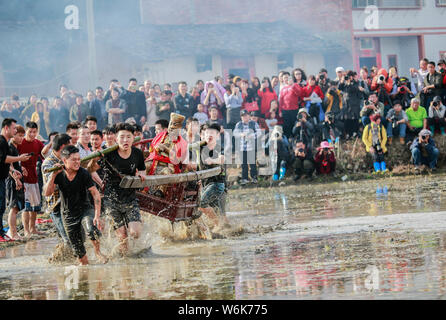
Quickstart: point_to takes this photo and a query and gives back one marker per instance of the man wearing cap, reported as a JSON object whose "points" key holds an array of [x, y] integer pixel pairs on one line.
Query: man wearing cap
{"points": [[436, 116], [246, 133], [324, 160], [340, 74], [397, 122], [424, 151], [303, 129]]}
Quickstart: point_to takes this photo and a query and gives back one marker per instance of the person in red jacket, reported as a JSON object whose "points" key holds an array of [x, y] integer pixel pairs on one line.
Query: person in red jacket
{"points": [[383, 84], [324, 160], [266, 94], [289, 103]]}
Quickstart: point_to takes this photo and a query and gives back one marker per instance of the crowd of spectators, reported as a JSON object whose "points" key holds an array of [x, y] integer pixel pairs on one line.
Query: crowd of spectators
{"points": [[298, 119]]}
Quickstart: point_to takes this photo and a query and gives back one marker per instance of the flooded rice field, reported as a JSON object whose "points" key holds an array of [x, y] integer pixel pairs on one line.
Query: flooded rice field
{"points": [[382, 239]]}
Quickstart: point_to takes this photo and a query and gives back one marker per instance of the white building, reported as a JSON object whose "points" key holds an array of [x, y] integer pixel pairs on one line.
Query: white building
{"points": [[400, 33]]}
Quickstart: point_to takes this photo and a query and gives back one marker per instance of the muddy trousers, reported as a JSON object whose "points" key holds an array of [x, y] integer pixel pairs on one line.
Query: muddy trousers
{"points": [[74, 223]]}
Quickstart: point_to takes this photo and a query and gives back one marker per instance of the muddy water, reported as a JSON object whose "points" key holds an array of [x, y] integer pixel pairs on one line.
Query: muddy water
{"points": [[358, 240]]}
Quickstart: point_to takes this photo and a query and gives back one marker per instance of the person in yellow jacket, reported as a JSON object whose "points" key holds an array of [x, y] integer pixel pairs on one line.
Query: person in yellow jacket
{"points": [[375, 138]]}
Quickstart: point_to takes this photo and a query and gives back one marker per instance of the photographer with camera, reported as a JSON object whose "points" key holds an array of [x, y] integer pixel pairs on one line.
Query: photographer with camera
{"points": [[375, 139], [323, 81], [353, 96], [433, 84], [303, 129], [403, 91], [383, 85], [331, 128], [371, 106], [397, 122], [424, 151], [436, 119], [303, 161], [324, 160]]}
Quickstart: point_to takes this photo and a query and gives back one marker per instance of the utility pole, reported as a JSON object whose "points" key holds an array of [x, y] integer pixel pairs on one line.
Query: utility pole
{"points": [[93, 71]]}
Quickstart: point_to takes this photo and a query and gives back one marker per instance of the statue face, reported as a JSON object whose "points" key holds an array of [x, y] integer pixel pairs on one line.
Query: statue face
{"points": [[174, 133]]}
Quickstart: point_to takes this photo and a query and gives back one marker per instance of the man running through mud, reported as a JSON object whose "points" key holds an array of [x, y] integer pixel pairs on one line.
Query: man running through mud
{"points": [[213, 194], [77, 213], [122, 204]]}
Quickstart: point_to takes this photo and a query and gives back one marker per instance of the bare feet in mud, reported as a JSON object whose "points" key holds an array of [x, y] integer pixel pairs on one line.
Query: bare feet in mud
{"points": [[14, 237], [101, 258]]}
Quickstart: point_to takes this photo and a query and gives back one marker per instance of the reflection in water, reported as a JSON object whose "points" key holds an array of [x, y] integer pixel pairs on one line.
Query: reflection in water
{"points": [[267, 261]]}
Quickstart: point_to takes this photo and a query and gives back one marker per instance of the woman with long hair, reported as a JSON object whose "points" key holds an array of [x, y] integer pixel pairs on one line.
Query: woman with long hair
{"points": [[266, 94], [299, 77]]}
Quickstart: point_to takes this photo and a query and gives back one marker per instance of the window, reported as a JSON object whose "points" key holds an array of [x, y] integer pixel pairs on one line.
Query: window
{"points": [[367, 44], [440, 3], [284, 61], [392, 59], [203, 63], [388, 3]]}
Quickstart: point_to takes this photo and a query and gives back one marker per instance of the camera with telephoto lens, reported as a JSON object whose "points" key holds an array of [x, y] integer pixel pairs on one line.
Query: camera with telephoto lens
{"points": [[346, 78], [381, 78], [442, 70], [401, 90], [393, 120], [301, 150], [330, 116], [378, 148], [322, 77], [300, 116], [435, 104]]}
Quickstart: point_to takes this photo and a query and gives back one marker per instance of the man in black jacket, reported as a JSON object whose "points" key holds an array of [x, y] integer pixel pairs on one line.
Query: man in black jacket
{"points": [[136, 102], [183, 101], [433, 84]]}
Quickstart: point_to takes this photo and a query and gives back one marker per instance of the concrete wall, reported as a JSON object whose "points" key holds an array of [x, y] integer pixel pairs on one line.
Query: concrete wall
{"points": [[428, 16], [179, 69], [434, 44]]}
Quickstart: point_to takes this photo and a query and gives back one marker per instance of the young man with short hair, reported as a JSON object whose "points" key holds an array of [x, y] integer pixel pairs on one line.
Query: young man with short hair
{"points": [[122, 204], [109, 134], [15, 195], [8, 131], [73, 131], [60, 141], [33, 146], [77, 214], [161, 125], [96, 138], [84, 142], [213, 195], [91, 122]]}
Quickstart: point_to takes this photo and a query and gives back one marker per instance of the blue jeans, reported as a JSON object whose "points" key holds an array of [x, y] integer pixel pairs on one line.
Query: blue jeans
{"points": [[212, 196], [2, 202], [365, 121], [57, 219], [401, 129], [431, 160]]}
